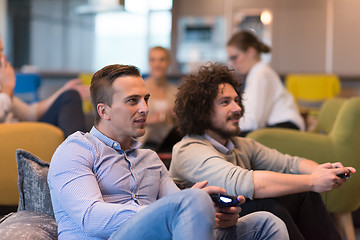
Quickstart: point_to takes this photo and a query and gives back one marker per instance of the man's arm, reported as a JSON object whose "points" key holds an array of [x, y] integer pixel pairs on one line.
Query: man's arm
{"points": [[75, 191], [307, 166], [167, 185], [322, 179]]}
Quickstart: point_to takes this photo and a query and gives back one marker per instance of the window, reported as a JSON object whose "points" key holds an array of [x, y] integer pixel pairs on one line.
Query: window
{"points": [[124, 37]]}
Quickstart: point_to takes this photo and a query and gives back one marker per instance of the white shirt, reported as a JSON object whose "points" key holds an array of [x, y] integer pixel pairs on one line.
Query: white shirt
{"points": [[266, 100]]}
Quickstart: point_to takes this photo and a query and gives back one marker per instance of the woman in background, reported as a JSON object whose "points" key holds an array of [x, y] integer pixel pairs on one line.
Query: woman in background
{"points": [[266, 101], [160, 121]]}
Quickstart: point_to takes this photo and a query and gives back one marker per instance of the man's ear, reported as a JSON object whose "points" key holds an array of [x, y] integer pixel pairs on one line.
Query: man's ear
{"points": [[102, 110]]}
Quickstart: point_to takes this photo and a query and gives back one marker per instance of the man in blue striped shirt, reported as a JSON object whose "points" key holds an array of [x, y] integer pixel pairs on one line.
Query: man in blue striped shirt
{"points": [[103, 186]]}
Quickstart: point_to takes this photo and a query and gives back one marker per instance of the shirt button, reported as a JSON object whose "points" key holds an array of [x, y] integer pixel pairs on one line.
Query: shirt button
{"points": [[115, 144], [133, 195]]}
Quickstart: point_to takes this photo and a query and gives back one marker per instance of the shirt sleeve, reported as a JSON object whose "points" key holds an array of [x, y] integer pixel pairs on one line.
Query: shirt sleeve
{"points": [[74, 189], [167, 185], [269, 159], [197, 161]]}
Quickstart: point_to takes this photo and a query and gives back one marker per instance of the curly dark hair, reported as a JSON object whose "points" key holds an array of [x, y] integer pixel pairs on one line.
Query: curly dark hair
{"points": [[194, 100]]}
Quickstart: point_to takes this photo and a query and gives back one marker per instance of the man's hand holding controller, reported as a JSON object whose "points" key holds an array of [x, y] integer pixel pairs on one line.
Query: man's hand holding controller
{"points": [[344, 175], [225, 216], [223, 200], [330, 175], [341, 171], [227, 209]]}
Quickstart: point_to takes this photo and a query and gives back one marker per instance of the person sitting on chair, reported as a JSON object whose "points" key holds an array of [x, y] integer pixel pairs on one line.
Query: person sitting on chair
{"points": [[267, 101], [62, 109]]}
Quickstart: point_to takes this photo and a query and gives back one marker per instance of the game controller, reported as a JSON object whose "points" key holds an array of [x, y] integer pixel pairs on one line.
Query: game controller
{"points": [[224, 200], [344, 175]]}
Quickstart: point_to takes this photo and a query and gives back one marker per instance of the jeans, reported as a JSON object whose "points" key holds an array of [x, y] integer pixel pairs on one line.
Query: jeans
{"points": [[189, 214], [66, 113], [304, 214], [258, 225]]}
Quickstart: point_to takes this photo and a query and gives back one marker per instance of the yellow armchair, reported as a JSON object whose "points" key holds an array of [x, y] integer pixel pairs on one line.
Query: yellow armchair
{"points": [[86, 80], [311, 90], [41, 139]]}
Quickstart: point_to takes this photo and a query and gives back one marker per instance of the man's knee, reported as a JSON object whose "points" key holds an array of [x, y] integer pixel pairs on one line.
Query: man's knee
{"points": [[196, 196], [270, 218], [70, 96], [271, 224], [270, 221], [198, 200]]}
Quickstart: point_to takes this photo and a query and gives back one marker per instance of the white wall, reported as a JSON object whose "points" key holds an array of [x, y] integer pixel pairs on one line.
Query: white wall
{"points": [[302, 39], [346, 58]]}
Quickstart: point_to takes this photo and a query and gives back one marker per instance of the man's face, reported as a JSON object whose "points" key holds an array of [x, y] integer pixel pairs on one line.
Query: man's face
{"points": [[129, 109], [226, 113], [159, 62]]}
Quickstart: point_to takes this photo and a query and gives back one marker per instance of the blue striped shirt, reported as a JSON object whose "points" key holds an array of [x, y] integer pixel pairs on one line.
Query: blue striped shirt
{"points": [[96, 186]]}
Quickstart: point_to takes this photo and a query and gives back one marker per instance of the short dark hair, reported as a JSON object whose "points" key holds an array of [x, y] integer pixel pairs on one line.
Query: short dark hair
{"points": [[101, 90], [194, 100]]}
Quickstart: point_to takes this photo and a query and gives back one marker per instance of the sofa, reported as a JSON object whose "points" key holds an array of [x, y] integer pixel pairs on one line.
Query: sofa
{"points": [[23, 182], [34, 218]]}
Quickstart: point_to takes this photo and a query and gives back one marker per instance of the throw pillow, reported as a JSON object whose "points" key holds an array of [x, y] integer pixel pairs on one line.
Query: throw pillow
{"points": [[34, 193]]}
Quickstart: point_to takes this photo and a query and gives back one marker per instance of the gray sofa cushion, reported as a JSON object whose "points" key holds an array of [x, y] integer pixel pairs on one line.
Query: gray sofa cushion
{"points": [[34, 193], [28, 225]]}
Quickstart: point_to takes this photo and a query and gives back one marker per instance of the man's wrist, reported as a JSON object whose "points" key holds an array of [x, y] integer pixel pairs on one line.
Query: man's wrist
{"points": [[311, 182]]}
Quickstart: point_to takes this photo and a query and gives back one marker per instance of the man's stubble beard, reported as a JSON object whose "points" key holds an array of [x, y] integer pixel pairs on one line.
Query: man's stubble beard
{"points": [[227, 134]]}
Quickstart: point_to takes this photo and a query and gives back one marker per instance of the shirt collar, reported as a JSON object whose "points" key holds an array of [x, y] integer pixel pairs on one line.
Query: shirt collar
{"points": [[111, 143], [218, 146]]}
